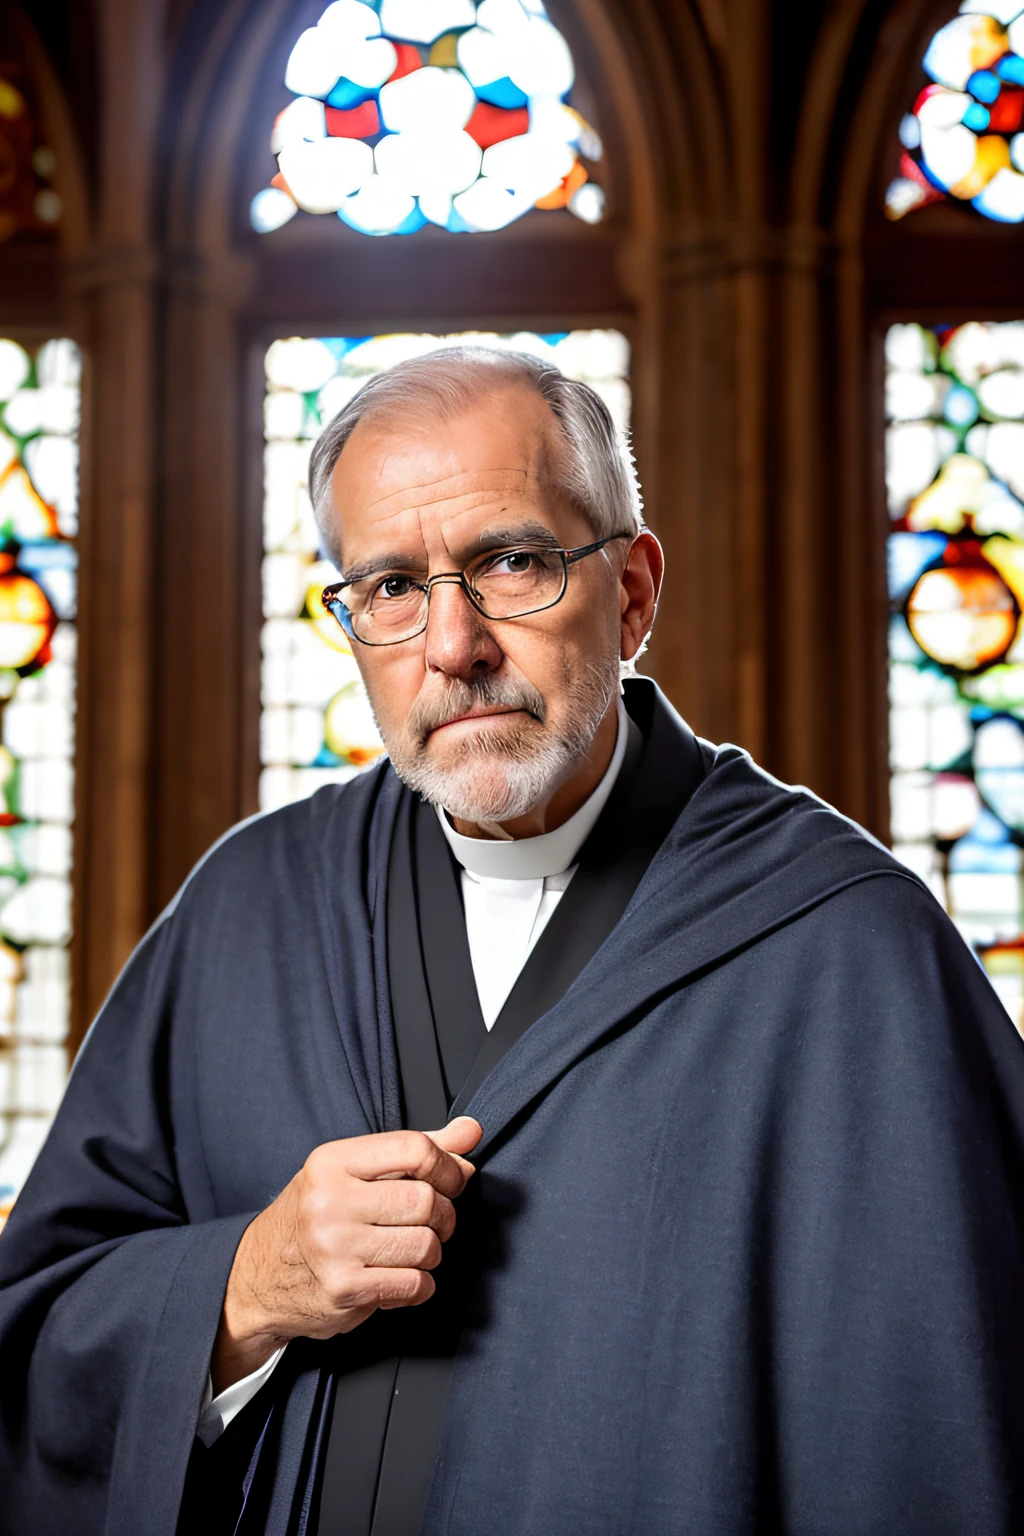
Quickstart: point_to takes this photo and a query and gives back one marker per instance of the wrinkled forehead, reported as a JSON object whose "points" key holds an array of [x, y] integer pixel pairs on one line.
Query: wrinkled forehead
{"points": [[416, 478]]}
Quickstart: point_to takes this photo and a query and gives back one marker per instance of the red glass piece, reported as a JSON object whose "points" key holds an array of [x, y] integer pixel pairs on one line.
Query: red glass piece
{"points": [[1006, 111], [913, 172], [929, 90], [492, 125], [409, 58], [357, 123], [277, 180]]}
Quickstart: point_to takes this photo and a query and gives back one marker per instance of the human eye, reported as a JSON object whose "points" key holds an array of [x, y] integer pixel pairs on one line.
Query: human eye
{"points": [[515, 563], [392, 588]]}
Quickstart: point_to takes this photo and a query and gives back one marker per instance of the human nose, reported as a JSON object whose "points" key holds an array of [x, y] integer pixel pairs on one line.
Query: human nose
{"points": [[458, 641]]}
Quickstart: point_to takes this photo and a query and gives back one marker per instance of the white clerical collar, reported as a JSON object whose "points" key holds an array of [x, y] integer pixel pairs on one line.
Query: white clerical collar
{"points": [[536, 858]]}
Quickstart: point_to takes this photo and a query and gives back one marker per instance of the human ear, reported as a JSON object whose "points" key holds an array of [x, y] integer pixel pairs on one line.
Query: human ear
{"points": [[639, 587]]}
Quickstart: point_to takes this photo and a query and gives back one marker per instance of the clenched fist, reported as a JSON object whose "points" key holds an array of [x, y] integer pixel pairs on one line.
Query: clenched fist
{"points": [[359, 1227]]}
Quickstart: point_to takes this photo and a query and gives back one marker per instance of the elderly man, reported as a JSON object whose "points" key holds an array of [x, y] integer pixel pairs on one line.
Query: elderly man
{"points": [[743, 1245]]}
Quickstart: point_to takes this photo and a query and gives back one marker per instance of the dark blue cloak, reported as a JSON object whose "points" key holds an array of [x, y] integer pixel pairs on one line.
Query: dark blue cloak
{"points": [[758, 1181]]}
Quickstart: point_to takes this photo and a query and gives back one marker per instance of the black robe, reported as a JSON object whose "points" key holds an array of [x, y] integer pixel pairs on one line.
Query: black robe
{"points": [[752, 1194]]}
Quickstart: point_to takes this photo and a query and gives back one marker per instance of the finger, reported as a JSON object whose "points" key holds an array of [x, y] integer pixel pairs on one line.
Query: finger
{"points": [[400, 1248], [409, 1154], [458, 1136], [404, 1288], [406, 1203]]}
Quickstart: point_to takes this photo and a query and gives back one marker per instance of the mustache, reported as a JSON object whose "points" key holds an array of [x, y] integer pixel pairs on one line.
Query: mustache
{"points": [[459, 696]]}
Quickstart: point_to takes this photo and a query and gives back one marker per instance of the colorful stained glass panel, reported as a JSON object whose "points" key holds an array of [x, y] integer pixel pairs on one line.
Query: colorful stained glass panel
{"points": [[39, 403], [447, 112], [962, 138], [316, 724], [955, 473]]}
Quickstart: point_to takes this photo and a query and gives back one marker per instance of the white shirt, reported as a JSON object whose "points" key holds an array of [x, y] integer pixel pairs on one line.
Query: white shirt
{"points": [[510, 888]]}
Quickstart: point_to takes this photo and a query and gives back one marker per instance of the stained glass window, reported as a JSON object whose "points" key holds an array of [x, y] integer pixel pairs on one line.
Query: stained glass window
{"points": [[39, 402], [316, 725], [955, 473], [446, 112], [963, 136], [28, 200]]}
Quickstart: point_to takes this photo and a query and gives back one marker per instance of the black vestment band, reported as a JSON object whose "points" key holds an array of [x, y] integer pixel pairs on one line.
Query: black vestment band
{"points": [[376, 1483]]}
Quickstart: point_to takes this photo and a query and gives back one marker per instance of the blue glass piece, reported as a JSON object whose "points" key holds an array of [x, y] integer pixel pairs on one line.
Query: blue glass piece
{"points": [[553, 337], [903, 646], [410, 225], [456, 224], [989, 829], [910, 131], [974, 856], [325, 758], [908, 554], [977, 117], [347, 94], [47, 556], [1011, 69], [997, 215], [1003, 791], [961, 408], [502, 93], [929, 174], [984, 86], [339, 345]]}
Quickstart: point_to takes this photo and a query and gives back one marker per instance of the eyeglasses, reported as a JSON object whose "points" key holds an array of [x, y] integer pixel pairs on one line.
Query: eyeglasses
{"points": [[503, 584]]}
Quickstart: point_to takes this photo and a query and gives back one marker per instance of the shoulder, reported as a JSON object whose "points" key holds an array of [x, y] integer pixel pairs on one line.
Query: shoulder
{"points": [[748, 831], [335, 826]]}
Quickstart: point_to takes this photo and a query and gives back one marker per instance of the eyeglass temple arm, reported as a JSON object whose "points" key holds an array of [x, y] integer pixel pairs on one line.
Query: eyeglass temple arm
{"points": [[572, 555]]}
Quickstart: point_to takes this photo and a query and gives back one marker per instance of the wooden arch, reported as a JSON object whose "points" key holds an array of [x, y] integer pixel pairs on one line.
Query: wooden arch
{"points": [[752, 278]]}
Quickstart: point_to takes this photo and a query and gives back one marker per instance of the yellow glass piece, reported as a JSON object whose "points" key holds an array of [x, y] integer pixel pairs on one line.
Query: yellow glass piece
{"points": [[332, 634], [443, 53], [988, 42], [992, 155], [1008, 558], [12, 972], [26, 619], [23, 507], [12, 103], [962, 488], [962, 616], [349, 728], [1003, 961]]}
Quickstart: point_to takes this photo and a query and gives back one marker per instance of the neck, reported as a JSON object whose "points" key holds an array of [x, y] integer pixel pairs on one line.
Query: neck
{"points": [[567, 798]]}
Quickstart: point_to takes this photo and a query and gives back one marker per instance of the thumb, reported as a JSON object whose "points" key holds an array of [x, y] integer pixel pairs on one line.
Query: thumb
{"points": [[458, 1136]]}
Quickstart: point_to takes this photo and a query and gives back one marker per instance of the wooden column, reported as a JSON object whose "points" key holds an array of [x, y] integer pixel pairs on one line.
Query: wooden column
{"points": [[206, 457], [113, 288]]}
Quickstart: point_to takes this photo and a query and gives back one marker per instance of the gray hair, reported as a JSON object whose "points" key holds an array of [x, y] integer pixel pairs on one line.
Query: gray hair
{"points": [[597, 473]]}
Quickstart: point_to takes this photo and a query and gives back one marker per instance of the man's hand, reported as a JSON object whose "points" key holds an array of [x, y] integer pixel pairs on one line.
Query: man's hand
{"points": [[359, 1227]]}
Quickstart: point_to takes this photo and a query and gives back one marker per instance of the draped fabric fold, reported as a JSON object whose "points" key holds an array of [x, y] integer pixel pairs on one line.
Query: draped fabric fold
{"points": [[744, 1253]]}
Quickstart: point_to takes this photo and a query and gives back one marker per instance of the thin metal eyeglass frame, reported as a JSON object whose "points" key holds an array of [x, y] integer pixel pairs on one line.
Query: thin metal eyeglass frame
{"points": [[339, 610]]}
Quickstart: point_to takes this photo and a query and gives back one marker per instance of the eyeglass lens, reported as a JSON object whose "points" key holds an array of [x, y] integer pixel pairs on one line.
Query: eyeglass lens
{"points": [[504, 585]]}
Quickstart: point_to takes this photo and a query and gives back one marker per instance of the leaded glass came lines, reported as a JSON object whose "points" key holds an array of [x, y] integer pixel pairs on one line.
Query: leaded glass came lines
{"points": [[962, 138], [955, 473], [39, 409], [445, 112]]}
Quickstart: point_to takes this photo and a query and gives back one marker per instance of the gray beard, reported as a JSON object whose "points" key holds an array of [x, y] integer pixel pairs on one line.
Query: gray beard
{"points": [[499, 780]]}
